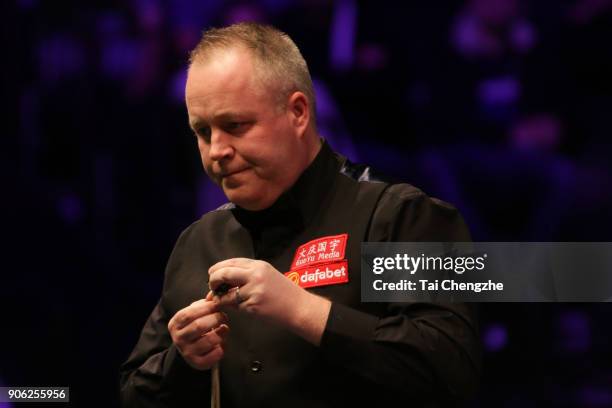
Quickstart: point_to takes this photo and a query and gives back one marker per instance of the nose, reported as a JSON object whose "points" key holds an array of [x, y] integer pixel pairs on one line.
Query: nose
{"points": [[220, 146]]}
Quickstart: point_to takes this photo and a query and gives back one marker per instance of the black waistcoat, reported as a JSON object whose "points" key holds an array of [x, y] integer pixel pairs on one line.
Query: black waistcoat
{"points": [[266, 364]]}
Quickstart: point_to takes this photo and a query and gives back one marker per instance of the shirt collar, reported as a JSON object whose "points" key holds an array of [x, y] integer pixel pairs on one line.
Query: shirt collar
{"points": [[297, 206]]}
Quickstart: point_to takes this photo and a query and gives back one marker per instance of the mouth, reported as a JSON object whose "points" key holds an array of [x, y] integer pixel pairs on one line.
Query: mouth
{"points": [[232, 173]]}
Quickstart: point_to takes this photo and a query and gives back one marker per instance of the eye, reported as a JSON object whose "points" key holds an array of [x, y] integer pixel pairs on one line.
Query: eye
{"points": [[204, 133], [236, 127], [232, 126]]}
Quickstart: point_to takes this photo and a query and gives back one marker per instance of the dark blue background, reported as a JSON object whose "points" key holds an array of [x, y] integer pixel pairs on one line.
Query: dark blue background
{"points": [[500, 107]]}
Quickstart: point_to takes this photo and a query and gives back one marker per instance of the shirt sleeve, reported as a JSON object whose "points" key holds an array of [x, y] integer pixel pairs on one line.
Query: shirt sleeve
{"points": [[414, 348], [155, 374]]}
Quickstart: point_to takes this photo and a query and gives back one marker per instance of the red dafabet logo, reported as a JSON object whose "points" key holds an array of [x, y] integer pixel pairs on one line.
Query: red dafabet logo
{"points": [[320, 262]]}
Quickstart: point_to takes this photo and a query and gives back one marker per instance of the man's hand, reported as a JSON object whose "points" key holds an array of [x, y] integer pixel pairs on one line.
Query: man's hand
{"points": [[198, 331], [261, 290]]}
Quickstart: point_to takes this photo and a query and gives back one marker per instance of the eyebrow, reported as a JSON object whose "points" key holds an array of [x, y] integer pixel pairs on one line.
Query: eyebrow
{"points": [[197, 122]]}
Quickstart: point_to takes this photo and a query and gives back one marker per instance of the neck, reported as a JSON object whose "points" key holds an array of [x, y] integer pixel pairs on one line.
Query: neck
{"points": [[313, 146]]}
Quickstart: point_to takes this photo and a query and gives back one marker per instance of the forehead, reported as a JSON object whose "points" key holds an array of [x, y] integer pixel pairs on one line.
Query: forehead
{"points": [[227, 69], [220, 80]]}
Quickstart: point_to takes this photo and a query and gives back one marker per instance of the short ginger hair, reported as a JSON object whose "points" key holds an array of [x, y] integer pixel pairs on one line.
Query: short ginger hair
{"points": [[278, 63]]}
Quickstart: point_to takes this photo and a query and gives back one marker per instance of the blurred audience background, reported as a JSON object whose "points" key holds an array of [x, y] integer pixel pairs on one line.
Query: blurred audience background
{"points": [[501, 107]]}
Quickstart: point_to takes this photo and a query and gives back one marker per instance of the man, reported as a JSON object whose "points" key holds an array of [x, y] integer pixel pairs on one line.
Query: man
{"points": [[277, 337]]}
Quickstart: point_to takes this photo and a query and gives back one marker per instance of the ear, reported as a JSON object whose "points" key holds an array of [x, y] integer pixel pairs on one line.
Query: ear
{"points": [[299, 112]]}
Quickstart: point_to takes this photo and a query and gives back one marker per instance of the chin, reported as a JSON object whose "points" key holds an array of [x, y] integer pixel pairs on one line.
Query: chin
{"points": [[249, 202]]}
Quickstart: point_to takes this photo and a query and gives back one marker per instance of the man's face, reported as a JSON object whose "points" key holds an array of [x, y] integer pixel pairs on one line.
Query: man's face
{"points": [[248, 144]]}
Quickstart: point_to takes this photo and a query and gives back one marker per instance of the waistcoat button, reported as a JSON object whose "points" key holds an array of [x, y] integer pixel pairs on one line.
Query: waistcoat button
{"points": [[256, 366]]}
